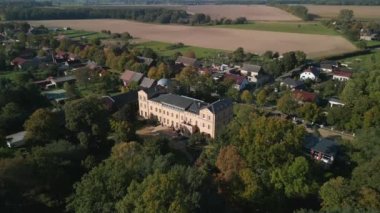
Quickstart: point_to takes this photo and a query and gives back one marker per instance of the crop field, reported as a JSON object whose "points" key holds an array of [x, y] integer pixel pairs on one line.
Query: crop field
{"points": [[251, 12], [215, 38], [329, 11], [289, 27]]}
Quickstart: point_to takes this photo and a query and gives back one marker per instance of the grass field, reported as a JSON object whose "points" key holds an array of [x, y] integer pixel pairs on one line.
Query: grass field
{"points": [[164, 49], [366, 62], [78, 34], [289, 27]]}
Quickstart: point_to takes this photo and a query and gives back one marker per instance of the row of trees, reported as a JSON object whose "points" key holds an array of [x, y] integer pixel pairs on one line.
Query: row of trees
{"points": [[297, 10]]}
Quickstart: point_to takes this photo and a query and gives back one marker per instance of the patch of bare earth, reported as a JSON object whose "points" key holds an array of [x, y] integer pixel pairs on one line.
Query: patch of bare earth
{"points": [[329, 11], [251, 12], [215, 38]]}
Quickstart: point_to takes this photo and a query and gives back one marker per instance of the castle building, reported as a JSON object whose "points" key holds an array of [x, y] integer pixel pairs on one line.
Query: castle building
{"points": [[185, 114]]}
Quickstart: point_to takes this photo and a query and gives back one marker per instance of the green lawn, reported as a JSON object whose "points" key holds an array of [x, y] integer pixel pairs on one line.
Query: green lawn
{"points": [[373, 43], [77, 34], [366, 62], [163, 49], [289, 27]]}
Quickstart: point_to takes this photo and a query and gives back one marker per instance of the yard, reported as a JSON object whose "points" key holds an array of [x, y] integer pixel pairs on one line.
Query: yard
{"points": [[167, 49], [289, 27], [78, 34], [366, 62]]}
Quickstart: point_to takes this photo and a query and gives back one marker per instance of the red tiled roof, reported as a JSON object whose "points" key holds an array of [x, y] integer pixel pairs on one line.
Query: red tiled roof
{"points": [[342, 73], [237, 78], [18, 61], [304, 96]]}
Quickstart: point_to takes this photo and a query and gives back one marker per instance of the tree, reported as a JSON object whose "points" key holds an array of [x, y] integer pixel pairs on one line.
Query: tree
{"points": [[128, 162], [190, 54], [346, 15], [165, 192], [123, 131], [309, 111], [88, 120], [71, 91], [295, 179], [300, 57], [43, 126], [261, 97], [233, 94], [238, 55], [287, 104], [229, 162], [289, 61], [335, 193], [246, 96]]}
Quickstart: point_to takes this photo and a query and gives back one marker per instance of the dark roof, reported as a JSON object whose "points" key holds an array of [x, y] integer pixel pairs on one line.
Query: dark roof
{"points": [[329, 64], [220, 105], [122, 99], [145, 60], [251, 68], [292, 82], [323, 145], [187, 61], [19, 61], [147, 82], [181, 102], [64, 79]]}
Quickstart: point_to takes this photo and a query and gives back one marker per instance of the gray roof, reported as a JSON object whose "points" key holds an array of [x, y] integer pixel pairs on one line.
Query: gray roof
{"points": [[147, 82], [187, 61], [292, 82], [337, 100], [64, 79], [323, 145], [220, 105], [181, 102], [145, 60], [164, 82], [16, 138], [251, 68]]}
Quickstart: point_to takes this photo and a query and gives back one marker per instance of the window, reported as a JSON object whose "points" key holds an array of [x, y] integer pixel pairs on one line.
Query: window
{"points": [[172, 115], [208, 118], [208, 127], [151, 108], [203, 124], [176, 116]]}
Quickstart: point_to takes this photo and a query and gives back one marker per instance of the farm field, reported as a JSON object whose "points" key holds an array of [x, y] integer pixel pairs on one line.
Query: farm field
{"points": [[329, 11], [290, 27], [215, 38], [251, 12], [165, 49]]}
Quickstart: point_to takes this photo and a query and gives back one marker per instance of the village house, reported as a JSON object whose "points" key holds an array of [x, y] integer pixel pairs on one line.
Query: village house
{"points": [[184, 114], [239, 82], [292, 84], [335, 102], [186, 61], [16, 140], [321, 149], [129, 76], [59, 81], [329, 66], [311, 73], [342, 75], [147, 61], [117, 102], [59, 95], [253, 72], [303, 96], [147, 83]]}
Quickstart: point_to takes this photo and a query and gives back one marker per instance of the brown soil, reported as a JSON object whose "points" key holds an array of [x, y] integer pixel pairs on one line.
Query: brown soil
{"points": [[216, 38]]}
